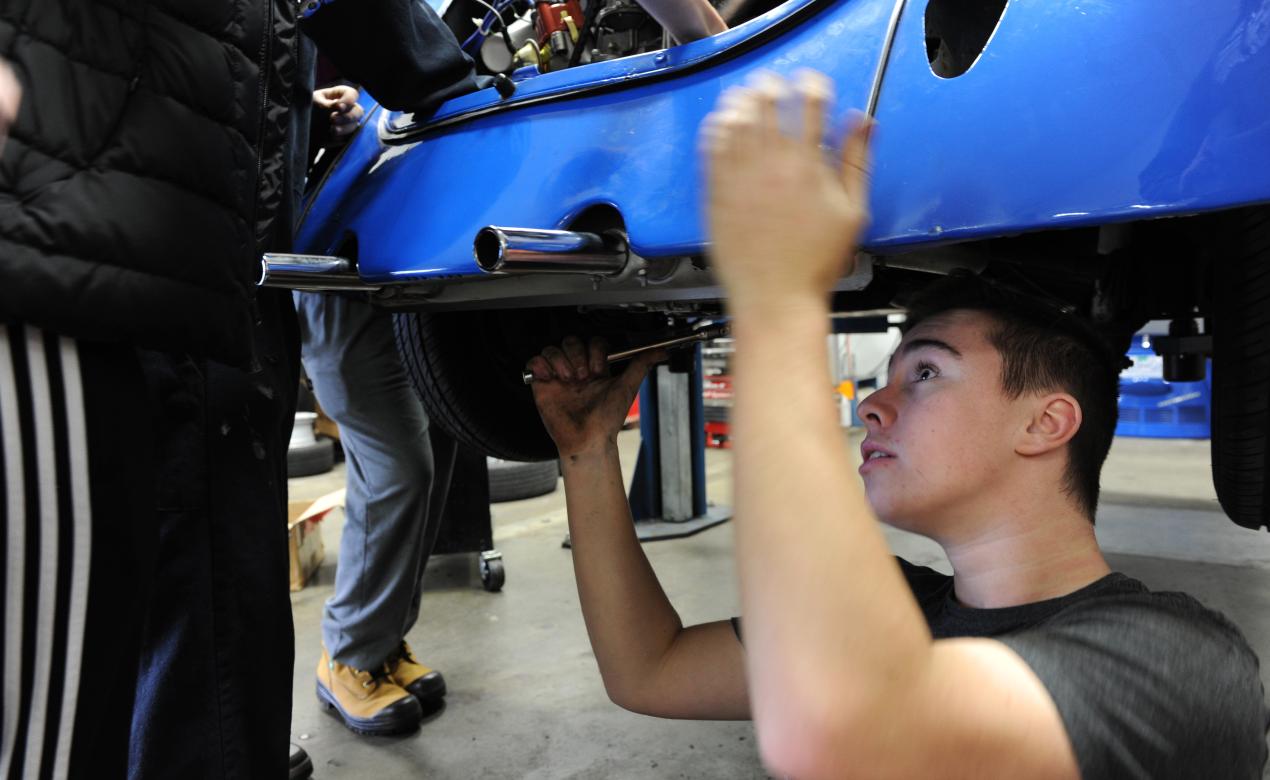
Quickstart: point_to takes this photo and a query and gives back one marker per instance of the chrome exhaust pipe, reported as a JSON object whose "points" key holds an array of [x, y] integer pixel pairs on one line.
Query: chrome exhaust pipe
{"points": [[313, 273], [507, 250]]}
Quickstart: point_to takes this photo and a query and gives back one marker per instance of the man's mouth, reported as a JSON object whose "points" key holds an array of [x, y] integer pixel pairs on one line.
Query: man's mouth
{"points": [[871, 452]]}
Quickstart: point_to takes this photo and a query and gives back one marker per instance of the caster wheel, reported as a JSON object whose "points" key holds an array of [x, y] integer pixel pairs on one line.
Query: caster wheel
{"points": [[492, 575]]}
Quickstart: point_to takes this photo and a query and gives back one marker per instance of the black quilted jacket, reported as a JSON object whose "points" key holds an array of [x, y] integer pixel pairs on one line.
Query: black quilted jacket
{"points": [[146, 168]]}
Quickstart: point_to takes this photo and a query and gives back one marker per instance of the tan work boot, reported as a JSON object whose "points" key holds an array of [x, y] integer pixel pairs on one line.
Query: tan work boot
{"points": [[426, 685], [367, 703]]}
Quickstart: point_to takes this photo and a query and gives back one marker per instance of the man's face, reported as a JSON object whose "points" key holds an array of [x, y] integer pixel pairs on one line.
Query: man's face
{"points": [[941, 433]]}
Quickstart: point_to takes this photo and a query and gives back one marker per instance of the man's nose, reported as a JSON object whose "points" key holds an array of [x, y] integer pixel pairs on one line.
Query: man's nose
{"points": [[876, 409]]}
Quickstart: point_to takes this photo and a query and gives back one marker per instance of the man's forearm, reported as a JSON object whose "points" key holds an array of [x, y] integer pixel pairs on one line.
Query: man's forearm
{"points": [[630, 621], [830, 621]]}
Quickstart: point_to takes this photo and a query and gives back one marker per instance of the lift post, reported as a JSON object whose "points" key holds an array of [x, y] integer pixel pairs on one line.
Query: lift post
{"points": [[668, 493]]}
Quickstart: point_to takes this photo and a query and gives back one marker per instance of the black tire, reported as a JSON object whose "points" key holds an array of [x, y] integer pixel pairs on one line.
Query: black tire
{"points": [[466, 367], [1241, 367], [316, 458], [510, 481]]}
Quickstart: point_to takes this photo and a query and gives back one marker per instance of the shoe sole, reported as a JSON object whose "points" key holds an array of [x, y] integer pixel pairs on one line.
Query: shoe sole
{"points": [[362, 726]]}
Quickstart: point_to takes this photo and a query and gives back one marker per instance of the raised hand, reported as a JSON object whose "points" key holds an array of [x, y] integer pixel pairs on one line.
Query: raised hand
{"points": [[784, 220]]}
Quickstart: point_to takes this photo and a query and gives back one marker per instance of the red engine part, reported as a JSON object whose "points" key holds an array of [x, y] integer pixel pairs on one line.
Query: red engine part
{"points": [[551, 19]]}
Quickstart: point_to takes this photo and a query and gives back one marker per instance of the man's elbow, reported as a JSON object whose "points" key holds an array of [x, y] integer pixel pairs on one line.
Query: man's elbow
{"points": [[632, 696], [805, 753], [815, 742], [618, 692]]}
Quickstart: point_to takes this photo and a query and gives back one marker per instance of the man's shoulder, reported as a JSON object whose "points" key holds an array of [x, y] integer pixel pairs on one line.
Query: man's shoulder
{"points": [[1155, 676], [1129, 606]]}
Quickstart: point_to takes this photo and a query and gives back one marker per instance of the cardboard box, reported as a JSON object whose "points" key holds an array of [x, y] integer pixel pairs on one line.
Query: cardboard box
{"points": [[304, 534]]}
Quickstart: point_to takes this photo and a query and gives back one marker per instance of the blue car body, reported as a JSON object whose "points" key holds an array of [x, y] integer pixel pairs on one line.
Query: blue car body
{"points": [[1077, 112]]}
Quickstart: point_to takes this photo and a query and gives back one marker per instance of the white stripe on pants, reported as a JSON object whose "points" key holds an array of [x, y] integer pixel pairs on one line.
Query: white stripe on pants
{"points": [[36, 490]]}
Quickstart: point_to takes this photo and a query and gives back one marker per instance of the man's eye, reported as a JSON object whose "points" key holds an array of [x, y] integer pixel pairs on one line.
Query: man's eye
{"points": [[925, 372]]}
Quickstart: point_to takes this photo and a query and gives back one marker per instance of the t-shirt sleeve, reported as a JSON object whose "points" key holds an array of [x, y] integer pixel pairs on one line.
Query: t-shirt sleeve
{"points": [[1151, 686]]}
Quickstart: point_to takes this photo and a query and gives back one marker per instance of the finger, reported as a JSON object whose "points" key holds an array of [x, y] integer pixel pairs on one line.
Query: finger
{"points": [[559, 363], [338, 118], [10, 96], [769, 89], [711, 136], [857, 160], [638, 368], [576, 351], [720, 124], [540, 368], [599, 354], [327, 98], [817, 93]]}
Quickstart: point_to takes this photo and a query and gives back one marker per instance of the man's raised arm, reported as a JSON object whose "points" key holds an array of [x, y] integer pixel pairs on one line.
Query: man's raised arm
{"points": [[649, 661], [845, 680]]}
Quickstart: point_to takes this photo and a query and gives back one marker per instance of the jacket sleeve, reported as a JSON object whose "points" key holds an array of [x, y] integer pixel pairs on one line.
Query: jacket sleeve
{"points": [[398, 50]]}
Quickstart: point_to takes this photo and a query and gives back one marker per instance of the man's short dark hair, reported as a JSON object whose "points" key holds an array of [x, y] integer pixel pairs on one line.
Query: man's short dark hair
{"points": [[1045, 345]]}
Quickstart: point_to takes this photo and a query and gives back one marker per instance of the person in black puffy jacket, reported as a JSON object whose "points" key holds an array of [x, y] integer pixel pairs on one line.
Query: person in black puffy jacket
{"points": [[146, 386]]}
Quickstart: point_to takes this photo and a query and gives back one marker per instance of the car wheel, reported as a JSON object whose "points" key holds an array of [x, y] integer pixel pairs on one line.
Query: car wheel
{"points": [[466, 368], [1241, 367]]}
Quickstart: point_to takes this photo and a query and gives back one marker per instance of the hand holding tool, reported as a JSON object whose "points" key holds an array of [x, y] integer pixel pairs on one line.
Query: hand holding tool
{"points": [[705, 334]]}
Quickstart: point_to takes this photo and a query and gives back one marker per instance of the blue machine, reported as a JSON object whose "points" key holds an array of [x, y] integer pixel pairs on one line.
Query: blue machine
{"points": [[1076, 113], [1155, 408]]}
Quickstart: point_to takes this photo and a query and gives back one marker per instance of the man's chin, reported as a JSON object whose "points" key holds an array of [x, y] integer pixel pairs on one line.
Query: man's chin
{"points": [[897, 517], [883, 508]]}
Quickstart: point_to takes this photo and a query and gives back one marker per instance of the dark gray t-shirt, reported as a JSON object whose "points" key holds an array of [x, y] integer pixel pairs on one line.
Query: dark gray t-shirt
{"points": [[1149, 685]]}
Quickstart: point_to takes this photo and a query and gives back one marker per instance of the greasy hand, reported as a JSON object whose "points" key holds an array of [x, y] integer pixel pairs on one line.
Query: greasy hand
{"points": [[582, 405], [341, 101], [784, 222]]}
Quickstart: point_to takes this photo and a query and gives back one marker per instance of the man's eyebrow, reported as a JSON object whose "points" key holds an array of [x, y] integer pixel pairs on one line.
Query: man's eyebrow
{"points": [[916, 344]]}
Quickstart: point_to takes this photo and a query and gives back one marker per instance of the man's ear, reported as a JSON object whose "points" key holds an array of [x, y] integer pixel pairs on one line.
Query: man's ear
{"points": [[1055, 420]]}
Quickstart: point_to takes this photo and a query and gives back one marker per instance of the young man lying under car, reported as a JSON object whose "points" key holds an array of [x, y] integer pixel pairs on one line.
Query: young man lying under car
{"points": [[1034, 659]]}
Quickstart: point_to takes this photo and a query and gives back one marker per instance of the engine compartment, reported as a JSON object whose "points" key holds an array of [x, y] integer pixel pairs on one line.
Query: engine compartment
{"points": [[503, 36]]}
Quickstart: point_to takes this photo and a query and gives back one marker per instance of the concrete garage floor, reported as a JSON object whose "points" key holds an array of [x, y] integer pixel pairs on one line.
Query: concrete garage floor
{"points": [[525, 699]]}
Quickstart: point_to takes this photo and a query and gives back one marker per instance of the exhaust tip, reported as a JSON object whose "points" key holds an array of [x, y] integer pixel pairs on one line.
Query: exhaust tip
{"points": [[490, 249]]}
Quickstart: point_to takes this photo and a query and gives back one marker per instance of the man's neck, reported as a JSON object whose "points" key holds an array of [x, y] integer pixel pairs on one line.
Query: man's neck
{"points": [[1020, 560]]}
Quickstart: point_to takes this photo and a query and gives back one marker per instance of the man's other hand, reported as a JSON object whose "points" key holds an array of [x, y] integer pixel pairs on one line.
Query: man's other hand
{"points": [[583, 405], [784, 220], [345, 112]]}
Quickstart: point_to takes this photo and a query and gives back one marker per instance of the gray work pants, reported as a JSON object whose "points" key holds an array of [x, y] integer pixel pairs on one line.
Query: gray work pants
{"points": [[350, 355]]}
